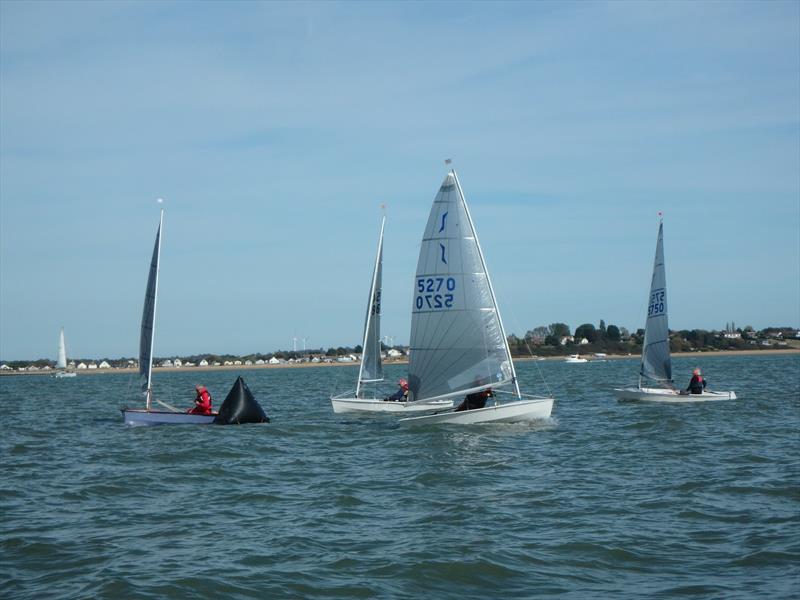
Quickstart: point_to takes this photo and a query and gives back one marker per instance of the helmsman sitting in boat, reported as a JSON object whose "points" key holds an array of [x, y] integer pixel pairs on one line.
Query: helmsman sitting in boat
{"points": [[475, 400], [202, 402], [697, 383], [401, 395]]}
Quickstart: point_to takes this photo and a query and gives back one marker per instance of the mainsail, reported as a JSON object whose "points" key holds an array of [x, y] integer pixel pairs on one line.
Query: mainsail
{"points": [[61, 363], [149, 316], [458, 344], [656, 364], [371, 365]]}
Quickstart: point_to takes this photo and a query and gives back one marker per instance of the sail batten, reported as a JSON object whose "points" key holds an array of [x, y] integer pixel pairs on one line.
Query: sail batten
{"points": [[656, 361], [146, 337], [371, 369], [458, 343]]}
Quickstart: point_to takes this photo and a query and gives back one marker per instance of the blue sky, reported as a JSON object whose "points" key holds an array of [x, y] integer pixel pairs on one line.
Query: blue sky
{"points": [[275, 132]]}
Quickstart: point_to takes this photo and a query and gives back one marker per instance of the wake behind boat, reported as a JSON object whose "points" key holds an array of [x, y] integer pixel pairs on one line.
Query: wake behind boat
{"points": [[458, 343], [656, 364]]}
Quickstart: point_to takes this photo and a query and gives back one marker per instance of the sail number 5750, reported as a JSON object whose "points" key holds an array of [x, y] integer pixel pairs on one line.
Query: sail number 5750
{"points": [[434, 293], [656, 304]]}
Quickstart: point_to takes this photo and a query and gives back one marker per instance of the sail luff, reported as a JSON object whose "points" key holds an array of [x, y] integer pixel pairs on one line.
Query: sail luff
{"points": [[371, 368], [489, 282], [656, 362], [147, 335], [62, 351]]}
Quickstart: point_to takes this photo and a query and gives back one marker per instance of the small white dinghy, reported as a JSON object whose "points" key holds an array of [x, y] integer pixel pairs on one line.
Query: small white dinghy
{"points": [[61, 364], [575, 358], [656, 360], [458, 343], [147, 416], [366, 400]]}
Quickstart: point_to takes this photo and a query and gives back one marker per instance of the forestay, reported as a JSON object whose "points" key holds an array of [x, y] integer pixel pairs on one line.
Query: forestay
{"points": [[457, 340], [656, 364], [149, 315], [371, 365]]}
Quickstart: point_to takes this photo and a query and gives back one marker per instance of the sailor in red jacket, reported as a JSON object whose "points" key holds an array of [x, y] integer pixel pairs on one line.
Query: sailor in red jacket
{"points": [[202, 402]]}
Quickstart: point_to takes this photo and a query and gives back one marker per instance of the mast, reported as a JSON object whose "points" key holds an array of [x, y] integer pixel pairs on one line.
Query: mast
{"points": [[489, 282], [371, 308]]}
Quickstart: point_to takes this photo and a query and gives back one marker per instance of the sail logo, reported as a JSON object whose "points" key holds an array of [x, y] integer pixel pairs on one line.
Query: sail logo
{"points": [[444, 223], [444, 257]]}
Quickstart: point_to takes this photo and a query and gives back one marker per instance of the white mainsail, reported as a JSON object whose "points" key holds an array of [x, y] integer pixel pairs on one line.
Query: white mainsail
{"points": [[371, 366], [61, 363], [458, 344], [656, 363], [149, 317]]}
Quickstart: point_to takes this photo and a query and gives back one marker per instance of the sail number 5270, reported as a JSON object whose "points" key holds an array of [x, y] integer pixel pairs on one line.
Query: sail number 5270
{"points": [[656, 304], [434, 293]]}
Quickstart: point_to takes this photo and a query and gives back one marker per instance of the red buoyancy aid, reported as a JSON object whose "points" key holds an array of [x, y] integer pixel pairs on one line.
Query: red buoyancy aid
{"points": [[203, 402]]}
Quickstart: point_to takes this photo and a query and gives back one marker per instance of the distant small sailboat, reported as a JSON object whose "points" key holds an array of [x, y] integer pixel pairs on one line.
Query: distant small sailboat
{"points": [[147, 416], [458, 343], [656, 364], [370, 373], [61, 364]]}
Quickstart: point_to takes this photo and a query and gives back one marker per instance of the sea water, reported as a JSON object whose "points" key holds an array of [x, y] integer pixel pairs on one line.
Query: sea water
{"points": [[604, 500]]}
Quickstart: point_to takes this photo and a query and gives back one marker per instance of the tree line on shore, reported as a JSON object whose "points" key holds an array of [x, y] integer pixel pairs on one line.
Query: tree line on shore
{"points": [[555, 339]]}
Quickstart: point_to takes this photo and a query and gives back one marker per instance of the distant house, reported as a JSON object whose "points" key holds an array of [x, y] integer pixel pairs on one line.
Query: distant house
{"points": [[203, 362], [732, 335], [260, 361], [47, 367], [166, 363], [567, 339], [315, 359], [81, 366], [583, 342], [5, 367], [216, 363], [237, 362], [394, 353], [177, 362], [92, 366], [248, 362], [274, 361], [346, 359], [227, 363], [188, 363], [104, 365]]}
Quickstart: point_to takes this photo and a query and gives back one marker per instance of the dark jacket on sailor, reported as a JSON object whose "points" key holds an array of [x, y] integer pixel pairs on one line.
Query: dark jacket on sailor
{"points": [[475, 400], [696, 385]]}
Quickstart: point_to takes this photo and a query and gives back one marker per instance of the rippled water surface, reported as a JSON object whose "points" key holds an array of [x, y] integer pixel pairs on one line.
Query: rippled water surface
{"points": [[605, 500]]}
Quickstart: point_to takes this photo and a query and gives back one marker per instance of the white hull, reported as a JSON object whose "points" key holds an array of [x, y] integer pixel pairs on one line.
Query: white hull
{"points": [[137, 416], [520, 411], [345, 405], [64, 374], [674, 396], [574, 358]]}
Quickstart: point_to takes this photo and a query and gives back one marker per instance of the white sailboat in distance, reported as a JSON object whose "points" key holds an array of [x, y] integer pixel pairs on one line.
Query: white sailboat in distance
{"points": [[656, 364], [147, 416], [458, 343], [365, 398], [61, 362]]}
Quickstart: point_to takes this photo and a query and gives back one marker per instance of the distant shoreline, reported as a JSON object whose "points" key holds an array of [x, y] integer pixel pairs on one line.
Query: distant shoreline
{"points": [[590, 357]]}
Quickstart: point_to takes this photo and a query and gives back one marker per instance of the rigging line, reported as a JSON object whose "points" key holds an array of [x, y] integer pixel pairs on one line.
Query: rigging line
{"points": [[538, 368]]}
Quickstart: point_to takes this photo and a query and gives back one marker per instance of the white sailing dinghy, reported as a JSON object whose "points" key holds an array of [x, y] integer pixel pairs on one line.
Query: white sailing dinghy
{"points": [[147, 416], [656, 361], [370, 373], [458, 344], [61, 362]]}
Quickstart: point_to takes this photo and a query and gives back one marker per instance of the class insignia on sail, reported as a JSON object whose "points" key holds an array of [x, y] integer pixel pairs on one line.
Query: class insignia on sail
{"points": [[240, 406]]}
